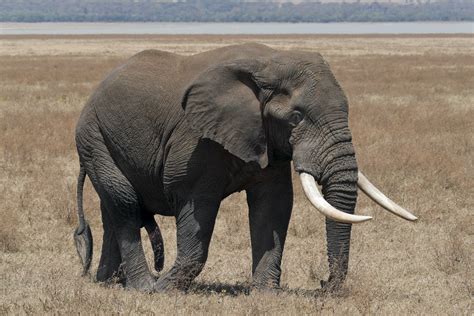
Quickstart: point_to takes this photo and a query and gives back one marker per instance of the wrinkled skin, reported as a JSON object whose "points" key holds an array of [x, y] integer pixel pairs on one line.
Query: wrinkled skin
{"points": [[174, 135]]}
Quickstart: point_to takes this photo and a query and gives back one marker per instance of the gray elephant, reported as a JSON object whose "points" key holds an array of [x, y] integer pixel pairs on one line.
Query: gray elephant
{"points": [[174, 135]]}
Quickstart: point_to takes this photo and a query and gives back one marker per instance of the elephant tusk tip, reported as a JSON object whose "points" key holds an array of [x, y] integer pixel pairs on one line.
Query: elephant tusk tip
{"points": [[406, 215], [375, 194], [355, 219], [365, 218]]}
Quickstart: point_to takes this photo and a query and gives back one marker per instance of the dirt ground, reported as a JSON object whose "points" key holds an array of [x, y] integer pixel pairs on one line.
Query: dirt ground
{"points": [[412, 117]]}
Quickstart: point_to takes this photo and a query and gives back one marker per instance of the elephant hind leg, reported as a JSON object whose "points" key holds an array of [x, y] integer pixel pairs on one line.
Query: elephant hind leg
{"points": [[121, 204], [195, 224], [156, 240], [110, 260]]}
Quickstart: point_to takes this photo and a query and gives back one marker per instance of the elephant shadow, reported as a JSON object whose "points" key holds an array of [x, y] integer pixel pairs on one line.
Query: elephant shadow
{"points": [[218, 288], [234, 290]]}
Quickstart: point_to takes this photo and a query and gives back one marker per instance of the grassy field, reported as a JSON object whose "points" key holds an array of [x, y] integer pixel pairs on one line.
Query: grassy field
{"points": [[412, 118]]}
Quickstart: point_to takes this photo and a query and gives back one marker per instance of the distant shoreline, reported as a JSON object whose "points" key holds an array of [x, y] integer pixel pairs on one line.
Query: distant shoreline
{"points": [[227, 37], [232, 28]]}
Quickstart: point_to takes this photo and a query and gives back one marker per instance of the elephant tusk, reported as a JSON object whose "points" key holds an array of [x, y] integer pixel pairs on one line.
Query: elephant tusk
{"points": [[312, 193], [380, 198]]}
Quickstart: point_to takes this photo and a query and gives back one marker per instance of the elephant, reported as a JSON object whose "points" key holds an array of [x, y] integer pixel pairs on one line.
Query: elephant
{"points": [[174, 135]]}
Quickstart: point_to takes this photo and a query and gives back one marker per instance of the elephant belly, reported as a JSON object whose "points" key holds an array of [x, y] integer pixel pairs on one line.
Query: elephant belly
{"points": [[155, 202]]}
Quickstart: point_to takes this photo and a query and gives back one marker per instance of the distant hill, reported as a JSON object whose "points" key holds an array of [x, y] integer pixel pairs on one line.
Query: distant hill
{"points": [[235, 11]]}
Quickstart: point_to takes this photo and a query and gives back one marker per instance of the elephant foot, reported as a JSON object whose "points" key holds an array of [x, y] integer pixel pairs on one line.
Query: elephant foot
{"points": [[265, 285], [268, 279], [332, 285], [144, 284], [266, 289], [178, 278], [116, 278], [168, 282]]}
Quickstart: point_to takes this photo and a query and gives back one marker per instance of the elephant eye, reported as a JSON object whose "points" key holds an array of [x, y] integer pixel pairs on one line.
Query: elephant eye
{"points": [[295, 118]]}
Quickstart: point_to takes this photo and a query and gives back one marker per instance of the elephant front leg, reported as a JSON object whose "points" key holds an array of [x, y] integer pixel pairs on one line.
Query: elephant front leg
{"points": [[270, 203]]}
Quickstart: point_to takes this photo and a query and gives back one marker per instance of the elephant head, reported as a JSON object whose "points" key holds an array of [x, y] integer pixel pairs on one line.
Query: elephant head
{"points": [[289, 107]]}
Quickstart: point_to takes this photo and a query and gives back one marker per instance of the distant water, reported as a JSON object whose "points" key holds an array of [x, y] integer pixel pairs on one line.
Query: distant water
{"points": [[236, 28]]}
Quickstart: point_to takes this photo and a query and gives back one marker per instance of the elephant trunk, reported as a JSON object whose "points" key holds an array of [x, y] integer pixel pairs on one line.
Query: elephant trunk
{"points": [[335, 168], [339, 187], [343, 197]]}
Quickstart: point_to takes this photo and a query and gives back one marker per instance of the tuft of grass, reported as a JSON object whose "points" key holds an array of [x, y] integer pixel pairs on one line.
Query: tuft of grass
{"points": [[10, 239], [452, 253]]}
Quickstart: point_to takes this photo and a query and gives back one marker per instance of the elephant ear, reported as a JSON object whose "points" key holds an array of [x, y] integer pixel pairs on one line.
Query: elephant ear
{"points": [[224, 104]]}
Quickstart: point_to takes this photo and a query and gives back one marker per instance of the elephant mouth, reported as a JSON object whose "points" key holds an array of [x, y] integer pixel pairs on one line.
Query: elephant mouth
{"points": [[317, 200]]}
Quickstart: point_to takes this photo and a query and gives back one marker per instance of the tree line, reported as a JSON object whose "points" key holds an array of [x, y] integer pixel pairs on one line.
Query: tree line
{"points": [[231, 11]]}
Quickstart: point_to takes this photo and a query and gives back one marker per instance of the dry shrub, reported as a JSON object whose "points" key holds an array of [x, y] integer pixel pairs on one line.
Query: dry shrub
{"points": [[63, 202]]}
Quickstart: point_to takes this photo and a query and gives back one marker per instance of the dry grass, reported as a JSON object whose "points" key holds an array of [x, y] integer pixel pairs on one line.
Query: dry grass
{"points": [[412, 110]]}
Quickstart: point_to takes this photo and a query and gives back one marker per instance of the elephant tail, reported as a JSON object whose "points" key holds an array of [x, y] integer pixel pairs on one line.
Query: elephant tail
{"points": [[83, 234]]}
